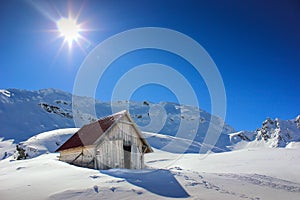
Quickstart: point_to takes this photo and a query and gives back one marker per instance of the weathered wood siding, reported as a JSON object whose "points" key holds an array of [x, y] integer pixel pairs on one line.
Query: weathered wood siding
{"points": [[110, 151], [81, 156]]}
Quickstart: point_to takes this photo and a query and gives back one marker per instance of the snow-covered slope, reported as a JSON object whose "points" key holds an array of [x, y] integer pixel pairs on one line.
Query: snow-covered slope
{"points": [[252, 173], [24, 114], [48, 142], [176, 145], [244, 174], [7, 148]]}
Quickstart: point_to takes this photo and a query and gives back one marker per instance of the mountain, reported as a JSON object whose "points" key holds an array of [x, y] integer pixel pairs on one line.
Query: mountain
{"points": [[273, 133], [24, 114], [272, 173]]}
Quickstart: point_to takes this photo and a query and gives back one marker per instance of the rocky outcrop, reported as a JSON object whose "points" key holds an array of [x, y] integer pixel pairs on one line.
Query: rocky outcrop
{"points": [[279, 133]]}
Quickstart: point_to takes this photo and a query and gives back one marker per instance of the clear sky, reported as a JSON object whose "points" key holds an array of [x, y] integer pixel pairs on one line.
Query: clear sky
{"points": [[255, 45]]}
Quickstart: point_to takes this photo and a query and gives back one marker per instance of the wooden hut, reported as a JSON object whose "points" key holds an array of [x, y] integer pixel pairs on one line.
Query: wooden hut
{"points": [[114, 141]]}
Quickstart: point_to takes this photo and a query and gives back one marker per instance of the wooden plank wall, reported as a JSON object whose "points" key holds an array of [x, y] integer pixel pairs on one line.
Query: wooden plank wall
{"points": [[81, 156], [109, 153]]}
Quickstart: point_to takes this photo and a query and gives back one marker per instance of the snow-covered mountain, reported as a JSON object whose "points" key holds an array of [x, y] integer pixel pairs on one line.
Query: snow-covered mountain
{"points": [[252, 173], [24, 114], [273, 133], [27, 113]]}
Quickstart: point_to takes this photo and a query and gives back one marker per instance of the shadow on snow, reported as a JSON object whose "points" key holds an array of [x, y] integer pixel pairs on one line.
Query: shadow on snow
{"points": [[158, 181]]}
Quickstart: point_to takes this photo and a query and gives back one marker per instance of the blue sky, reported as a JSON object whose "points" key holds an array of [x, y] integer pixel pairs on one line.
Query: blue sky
{"points": [[255, 45]]}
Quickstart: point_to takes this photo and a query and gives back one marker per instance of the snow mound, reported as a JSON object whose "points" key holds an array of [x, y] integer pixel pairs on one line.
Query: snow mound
{"points": [[46, 142], [7, 148], [293, 145]]}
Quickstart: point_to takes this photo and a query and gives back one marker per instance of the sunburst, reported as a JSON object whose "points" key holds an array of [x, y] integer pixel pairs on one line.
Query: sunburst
{"points": [[69, 30], [68, 27], [72, 32]]}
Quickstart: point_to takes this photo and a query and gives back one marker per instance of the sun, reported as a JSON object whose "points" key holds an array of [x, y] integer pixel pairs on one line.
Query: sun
{"points": [[69, 29]]}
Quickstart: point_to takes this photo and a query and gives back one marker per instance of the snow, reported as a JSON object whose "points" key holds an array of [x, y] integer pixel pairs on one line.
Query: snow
{"points": [[5, 93], [22, 116], [245, 166], [49, 141], [241, 135], [273, 133], [245, 174], [7, 148], [252, 173], [175, 144], [27, 113], [46, 142], [293, 145]]}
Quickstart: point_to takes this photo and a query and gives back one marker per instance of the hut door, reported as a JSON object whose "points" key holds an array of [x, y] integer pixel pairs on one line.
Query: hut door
{"points": [[127, 155]]}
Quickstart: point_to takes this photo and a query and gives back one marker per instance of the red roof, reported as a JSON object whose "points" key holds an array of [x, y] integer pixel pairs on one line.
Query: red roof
{"points": [[89, 133]]}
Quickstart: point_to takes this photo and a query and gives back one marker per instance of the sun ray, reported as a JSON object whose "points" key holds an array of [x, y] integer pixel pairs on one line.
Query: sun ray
{"points": [[68, 28], [84, 40]]}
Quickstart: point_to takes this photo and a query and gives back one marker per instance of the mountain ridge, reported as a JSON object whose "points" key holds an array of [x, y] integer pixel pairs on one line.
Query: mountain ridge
{"points": [[24, 114], [272, 133]]}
